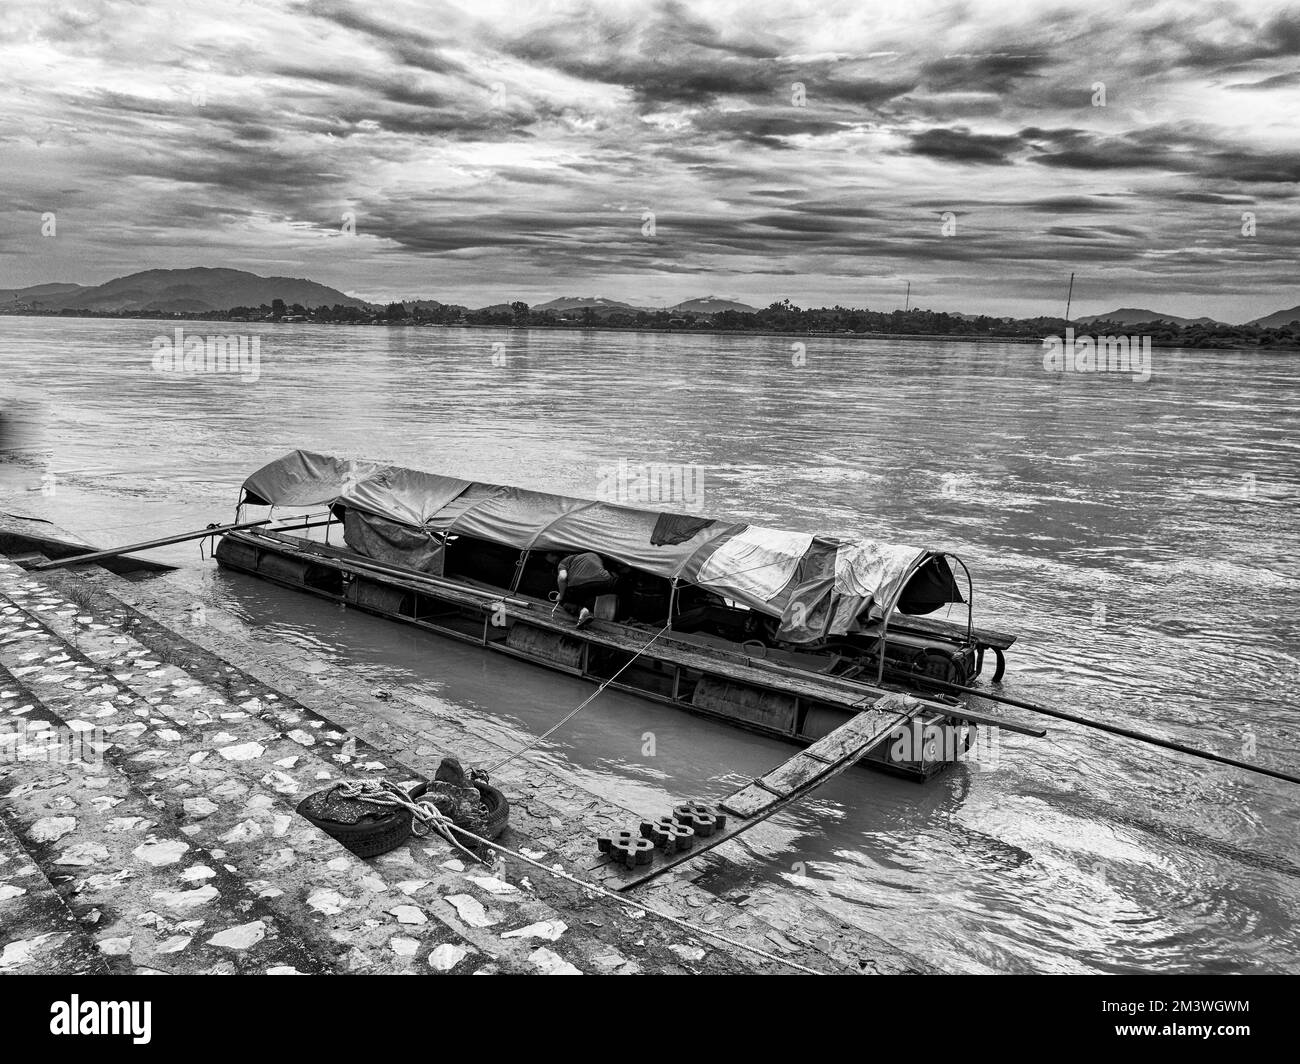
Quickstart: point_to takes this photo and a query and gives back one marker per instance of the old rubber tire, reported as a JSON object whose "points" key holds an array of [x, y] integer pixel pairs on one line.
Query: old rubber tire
{"points": [[940, 665], [498, 810], [369, 837]]}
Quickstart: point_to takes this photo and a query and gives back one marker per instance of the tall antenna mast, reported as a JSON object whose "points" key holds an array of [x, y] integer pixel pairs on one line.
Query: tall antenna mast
{"points": [[1068, 298], [908, 305]]}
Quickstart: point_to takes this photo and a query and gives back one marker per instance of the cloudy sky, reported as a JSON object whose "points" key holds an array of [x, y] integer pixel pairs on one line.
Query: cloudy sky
{"points": [[825, 150]]}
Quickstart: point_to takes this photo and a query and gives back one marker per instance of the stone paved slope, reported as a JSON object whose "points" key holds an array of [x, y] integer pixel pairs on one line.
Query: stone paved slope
{"points": [[180, 850]]}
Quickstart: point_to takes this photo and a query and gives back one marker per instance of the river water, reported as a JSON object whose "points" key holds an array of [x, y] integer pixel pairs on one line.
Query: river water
{"points": [[1140, 537]]}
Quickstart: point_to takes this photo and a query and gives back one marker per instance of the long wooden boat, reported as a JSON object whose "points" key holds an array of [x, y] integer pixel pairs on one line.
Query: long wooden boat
{"points": [[785, 634]]}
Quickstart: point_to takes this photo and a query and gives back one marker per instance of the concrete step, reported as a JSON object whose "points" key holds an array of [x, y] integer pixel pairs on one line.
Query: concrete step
{"points": [[221, 775], [152, 900], [393, 913], [39, 935]]}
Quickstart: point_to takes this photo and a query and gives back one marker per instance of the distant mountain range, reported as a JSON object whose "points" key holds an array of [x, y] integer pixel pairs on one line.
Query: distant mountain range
{"points": [[1134, 316], [196, 289], [1278, 319], [601, 306], [36, 292], [599, 303], [428, 304], [711, 305], [201, 289]]}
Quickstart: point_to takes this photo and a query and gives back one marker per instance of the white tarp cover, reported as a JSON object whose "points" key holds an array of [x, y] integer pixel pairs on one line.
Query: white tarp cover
{"points": [[755, 564], [784, 574], [872, 570]]}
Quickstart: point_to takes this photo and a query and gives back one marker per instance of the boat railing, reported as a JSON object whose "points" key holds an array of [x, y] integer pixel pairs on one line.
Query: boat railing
{"points": [[912, 570]]}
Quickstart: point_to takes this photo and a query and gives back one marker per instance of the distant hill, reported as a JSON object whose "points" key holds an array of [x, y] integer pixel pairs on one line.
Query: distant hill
{"points": [[432, 306], [1277, 319], [711, 305], [975, 317], [196, 289], [1134, 316], [597, 303], [603, 306], [37, 293]]}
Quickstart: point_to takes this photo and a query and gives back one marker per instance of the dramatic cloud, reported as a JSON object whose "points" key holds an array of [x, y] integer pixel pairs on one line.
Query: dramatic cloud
{"points": [[652, 150]]}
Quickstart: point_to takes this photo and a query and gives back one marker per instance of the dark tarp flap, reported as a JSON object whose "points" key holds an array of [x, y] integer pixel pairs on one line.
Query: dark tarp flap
{"points": [[806, 601], [393, 544], [932, 586], [677, 528]]}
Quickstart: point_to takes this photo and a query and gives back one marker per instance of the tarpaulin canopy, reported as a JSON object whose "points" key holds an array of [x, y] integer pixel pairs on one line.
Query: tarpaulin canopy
{"points": [[816, 585], [305, 479], [406, 496]]}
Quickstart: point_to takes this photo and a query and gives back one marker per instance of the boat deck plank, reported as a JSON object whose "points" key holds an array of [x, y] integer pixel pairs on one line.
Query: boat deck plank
{"points": [[781, 787]]}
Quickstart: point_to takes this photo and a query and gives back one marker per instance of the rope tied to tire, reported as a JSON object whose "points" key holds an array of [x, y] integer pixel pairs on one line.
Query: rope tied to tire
{"points": [[426, 818], [372, 816]]}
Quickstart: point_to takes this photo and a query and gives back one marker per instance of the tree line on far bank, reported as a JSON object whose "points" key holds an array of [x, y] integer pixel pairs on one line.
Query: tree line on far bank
{"points": [[779, 317]]}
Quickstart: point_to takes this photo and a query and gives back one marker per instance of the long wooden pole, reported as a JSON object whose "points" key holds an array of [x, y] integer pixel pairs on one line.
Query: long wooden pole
{"points": [[310, 524], [113, 552], [957, 712], [1113, 729]]}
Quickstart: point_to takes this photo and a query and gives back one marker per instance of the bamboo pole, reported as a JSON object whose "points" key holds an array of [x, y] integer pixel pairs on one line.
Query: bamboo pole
{"points": [[113, 552], [1113, 729]]}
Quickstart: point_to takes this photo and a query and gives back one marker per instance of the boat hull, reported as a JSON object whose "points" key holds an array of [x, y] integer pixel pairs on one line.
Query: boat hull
{"points": [[781, 703]]}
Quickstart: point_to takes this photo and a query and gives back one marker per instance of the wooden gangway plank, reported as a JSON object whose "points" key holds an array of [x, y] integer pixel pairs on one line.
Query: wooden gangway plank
{"points": [[828, 756], [786, 784]]}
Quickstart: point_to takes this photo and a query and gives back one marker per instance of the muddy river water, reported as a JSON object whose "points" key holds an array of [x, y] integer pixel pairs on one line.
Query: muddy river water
{"points": [[1140, 537]]}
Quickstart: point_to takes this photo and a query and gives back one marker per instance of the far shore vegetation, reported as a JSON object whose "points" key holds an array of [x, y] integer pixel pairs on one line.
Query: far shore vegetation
{"points": [[779, 318]]}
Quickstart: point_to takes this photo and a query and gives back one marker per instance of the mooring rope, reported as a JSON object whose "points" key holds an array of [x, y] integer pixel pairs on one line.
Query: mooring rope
{"points": [[580, 707], [383, 792]]}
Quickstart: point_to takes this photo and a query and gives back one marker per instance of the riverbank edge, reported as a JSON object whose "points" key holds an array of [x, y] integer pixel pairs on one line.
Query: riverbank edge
{"points": [[552, 814], [669, 331]]}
